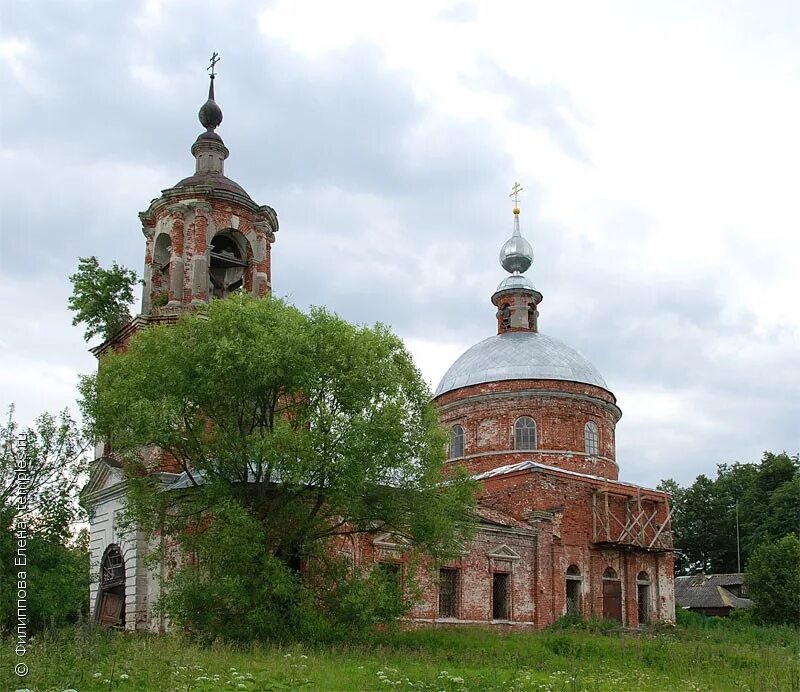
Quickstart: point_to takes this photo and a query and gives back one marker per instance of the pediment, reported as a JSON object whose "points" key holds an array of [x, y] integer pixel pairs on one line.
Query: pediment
{"points": [[504, 552], [102, 477], [390, 540]]}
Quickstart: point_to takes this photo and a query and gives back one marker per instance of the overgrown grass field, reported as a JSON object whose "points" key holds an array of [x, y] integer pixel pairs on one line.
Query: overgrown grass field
{"points": [[709, 655]]}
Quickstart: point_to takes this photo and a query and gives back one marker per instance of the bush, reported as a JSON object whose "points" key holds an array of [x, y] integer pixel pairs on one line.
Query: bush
{"points": [[773, 581], [239, 592]]}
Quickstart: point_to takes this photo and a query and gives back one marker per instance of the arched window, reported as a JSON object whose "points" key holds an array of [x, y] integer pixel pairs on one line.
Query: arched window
{"points": [[525, 433], [591, 438], [456, 442], [574, 583], [609, 573], [113, 567]]}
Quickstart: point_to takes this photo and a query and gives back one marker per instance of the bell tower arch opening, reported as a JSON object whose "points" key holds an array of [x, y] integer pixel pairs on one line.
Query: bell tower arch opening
{"points": [[159, 278], [228, 263]]}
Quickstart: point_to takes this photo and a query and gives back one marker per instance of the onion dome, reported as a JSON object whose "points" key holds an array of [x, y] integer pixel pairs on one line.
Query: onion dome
{"points": [[210, 113], [516, 255]]}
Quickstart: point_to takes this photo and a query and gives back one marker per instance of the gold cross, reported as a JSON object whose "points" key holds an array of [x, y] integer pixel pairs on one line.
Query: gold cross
{"points": [[515, 190], [214, 61]]}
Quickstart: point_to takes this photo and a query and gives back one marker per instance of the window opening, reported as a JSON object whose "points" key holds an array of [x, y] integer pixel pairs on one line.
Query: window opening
{"points": [[505, 316], [525, 433], [591, 438], [501, 592], [448, 593], [456, 442]]}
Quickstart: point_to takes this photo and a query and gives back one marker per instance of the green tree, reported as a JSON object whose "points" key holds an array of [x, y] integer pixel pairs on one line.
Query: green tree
{"points": [[773, 581], [775, 483], [40, 470], [308, 430], [766, 497], [101, 298]]}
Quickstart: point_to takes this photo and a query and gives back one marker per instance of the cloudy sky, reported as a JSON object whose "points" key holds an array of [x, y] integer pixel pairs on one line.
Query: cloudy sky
{"points": [[658, 144]]}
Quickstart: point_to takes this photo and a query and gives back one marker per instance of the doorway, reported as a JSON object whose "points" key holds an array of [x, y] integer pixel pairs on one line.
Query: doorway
{"points": [[574, 583], [643, 597], [111, 597], [612, 596]]}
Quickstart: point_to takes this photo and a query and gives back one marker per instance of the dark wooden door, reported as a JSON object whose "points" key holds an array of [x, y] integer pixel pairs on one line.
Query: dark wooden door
{"points": [[111, 609], [612, 599]]}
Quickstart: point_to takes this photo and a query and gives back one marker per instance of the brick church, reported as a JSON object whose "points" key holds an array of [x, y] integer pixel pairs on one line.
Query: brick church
{"points": [[529, 417]]}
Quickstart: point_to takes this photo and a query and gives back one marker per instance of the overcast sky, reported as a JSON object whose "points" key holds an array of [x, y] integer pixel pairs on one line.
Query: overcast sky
{"points": [[658, 144]]}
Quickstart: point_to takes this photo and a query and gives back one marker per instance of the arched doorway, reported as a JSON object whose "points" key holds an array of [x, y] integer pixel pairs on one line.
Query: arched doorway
{"points": [[111, 598], [612, 595], [643, 597], [574, 583]]}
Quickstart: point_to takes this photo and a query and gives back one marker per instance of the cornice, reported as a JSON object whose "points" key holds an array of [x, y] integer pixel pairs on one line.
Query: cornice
{"points": [[529, 452], [613, 409]]}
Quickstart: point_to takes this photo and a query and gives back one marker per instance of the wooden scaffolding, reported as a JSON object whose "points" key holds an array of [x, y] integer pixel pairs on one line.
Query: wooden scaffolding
{"points": [[623, 518]]}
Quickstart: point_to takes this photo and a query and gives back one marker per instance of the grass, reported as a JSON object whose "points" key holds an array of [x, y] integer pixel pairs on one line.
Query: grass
{"points": [[700, 656]]}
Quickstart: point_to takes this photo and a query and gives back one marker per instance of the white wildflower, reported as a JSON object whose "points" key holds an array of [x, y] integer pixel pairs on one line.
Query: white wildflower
{"points": [[96, 675], [124, 676]]}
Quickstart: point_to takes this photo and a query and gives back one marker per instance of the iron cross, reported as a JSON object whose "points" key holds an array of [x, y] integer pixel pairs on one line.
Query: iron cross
{"points": [[214, 61], [515, 190]]}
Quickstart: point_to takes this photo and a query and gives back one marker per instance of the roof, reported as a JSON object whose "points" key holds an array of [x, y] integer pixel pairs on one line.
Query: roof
{"points": [[515, 282], [519, 356], [536, 466], [493, 516], [214, 180], [708, 591]]}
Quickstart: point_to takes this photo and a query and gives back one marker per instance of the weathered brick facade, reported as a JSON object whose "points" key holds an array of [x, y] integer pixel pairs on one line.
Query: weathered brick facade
{"points": [[559, 533], [531, 419]]}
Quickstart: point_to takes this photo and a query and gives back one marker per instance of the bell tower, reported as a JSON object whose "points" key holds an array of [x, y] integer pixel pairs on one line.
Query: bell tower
{"points": [[206, 237]]}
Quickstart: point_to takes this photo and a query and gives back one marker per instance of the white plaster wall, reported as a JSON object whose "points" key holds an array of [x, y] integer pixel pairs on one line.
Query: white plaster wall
{"points": [[141, 586]]}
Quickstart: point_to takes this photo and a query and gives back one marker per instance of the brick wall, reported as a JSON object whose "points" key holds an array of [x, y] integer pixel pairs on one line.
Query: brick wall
{"points": [[487, 412]]}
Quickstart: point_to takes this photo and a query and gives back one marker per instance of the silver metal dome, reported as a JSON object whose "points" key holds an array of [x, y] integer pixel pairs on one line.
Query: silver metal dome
{"points": [[519, 356], [515, 282], [516, 255]]}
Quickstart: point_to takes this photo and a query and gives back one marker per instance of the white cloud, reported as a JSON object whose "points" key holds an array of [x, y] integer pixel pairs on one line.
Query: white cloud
{"points": [[657, 145]]}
